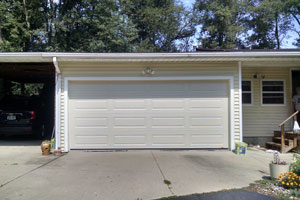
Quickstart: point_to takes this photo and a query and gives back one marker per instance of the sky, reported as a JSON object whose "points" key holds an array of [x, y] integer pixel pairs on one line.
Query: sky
{"points": [[287, 42]]}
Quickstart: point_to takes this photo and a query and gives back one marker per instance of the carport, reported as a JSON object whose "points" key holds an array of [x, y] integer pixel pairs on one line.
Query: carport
{"points": [[26, 88]]}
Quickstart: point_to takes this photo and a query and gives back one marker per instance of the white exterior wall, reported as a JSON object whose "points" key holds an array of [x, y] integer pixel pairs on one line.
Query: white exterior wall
{"points": [[92, 69], [262, 120]]}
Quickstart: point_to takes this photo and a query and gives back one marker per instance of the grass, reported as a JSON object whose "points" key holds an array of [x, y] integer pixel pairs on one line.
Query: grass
{"points": [[167, 182]]}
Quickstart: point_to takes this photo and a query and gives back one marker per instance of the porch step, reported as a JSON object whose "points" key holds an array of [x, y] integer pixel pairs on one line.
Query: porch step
{"points": [[288, 134], [273, 145], [288, 142]]}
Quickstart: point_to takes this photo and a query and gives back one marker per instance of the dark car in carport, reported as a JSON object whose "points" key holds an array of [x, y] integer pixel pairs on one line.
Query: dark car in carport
{"points": [[20, 115]]}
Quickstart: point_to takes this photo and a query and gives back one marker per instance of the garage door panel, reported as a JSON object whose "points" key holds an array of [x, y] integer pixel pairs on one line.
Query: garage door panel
{"points": [[129, 122], [168, 122], [120, 140], [91, 122], [168, 104], [129, 104], [206, 104], [216, 122], [148, 114], [208, 140], [168, 139], [89, 141], [90, 105]]}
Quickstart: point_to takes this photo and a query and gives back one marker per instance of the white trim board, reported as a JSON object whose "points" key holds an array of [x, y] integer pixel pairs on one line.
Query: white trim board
{"points": [[240, 100], [173, 78], [57, 109]]}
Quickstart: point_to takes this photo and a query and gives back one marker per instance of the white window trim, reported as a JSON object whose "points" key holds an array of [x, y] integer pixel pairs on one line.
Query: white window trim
{"points": [[284, 92], [230, 80], [251, 92]]}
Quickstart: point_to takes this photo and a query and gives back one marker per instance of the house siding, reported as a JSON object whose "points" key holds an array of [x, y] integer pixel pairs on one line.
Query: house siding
{"points": [[261, 120], [92, 69]]}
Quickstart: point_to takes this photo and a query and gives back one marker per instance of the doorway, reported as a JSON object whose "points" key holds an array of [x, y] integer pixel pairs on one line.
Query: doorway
{"points": [[295, 80]]}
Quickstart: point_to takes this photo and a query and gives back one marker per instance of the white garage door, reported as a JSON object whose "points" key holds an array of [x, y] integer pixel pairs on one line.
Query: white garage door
{"points": [[148, 114]]}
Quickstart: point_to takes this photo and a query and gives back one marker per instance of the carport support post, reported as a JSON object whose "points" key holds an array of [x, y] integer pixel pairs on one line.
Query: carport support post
{"points": [[57, 102]]}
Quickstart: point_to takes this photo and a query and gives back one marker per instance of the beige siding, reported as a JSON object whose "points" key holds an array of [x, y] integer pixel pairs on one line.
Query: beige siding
{"points": [[85, 69], [261, 120]]}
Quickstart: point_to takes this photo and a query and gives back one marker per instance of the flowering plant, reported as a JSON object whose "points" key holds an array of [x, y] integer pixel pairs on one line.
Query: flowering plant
{"points": [[277, 160], [289, 180]]}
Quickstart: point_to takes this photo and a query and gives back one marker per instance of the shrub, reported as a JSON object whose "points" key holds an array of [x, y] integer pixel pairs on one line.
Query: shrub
{"points": [[289, 180], [295, 193], [295, 166]]}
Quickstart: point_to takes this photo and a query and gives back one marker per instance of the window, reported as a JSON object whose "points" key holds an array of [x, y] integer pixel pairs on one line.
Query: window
{"points": [[272, 92], [247, 92]]}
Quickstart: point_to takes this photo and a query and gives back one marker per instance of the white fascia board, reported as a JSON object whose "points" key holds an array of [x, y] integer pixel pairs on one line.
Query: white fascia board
{"points": [[140, 57], [216, 56], [23, 57]]}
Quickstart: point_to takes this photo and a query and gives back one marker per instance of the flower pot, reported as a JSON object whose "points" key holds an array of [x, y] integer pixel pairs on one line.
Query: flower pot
{"points": [[276, 170], [46, 147]]}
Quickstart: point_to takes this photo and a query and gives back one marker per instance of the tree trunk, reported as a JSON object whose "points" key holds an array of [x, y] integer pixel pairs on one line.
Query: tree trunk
{"points": [[0, 33], [28, 26], [277, 32], [49, 22]]}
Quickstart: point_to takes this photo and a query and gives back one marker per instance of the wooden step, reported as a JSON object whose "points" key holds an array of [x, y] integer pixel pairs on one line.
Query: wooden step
{"points": [[288, 134], [273, 145], [277, 146], [287, 141], [290, 141]]}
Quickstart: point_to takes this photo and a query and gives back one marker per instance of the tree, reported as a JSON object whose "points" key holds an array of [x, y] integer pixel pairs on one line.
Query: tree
{"points": [[160, 23], [268, 24], [220, 21], [13, 32], [92, 26], [292, 7]]}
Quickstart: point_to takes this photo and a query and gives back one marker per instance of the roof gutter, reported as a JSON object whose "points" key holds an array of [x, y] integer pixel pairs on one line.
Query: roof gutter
{"points": [[150, 57]]}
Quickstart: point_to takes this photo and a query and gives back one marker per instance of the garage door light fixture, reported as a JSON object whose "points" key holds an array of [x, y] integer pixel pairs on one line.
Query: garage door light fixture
{"points": [[148, 71]]}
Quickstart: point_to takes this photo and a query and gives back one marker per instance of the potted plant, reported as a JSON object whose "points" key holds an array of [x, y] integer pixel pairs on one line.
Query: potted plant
{"points": [[278, 167]]}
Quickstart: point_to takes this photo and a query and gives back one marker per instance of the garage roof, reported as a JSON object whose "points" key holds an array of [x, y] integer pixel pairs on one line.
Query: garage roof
{"points": [[215, 56]]}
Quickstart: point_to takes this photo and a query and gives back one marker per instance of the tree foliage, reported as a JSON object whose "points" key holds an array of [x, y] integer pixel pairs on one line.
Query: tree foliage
{"points": [[292, 7], [145, 25], [221, 22], [159, 23], [268, 22]]}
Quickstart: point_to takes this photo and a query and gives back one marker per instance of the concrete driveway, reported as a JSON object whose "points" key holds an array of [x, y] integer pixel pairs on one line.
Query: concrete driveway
{"points": [[128, 175]]}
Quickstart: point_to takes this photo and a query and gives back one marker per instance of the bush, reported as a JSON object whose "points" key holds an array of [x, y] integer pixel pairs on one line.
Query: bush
{"points": [[289, 180], [295, 166], [295, 193]]}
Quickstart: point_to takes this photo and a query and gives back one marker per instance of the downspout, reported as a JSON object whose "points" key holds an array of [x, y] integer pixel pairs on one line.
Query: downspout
{"points": [[57, 103], [57, 70]]}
